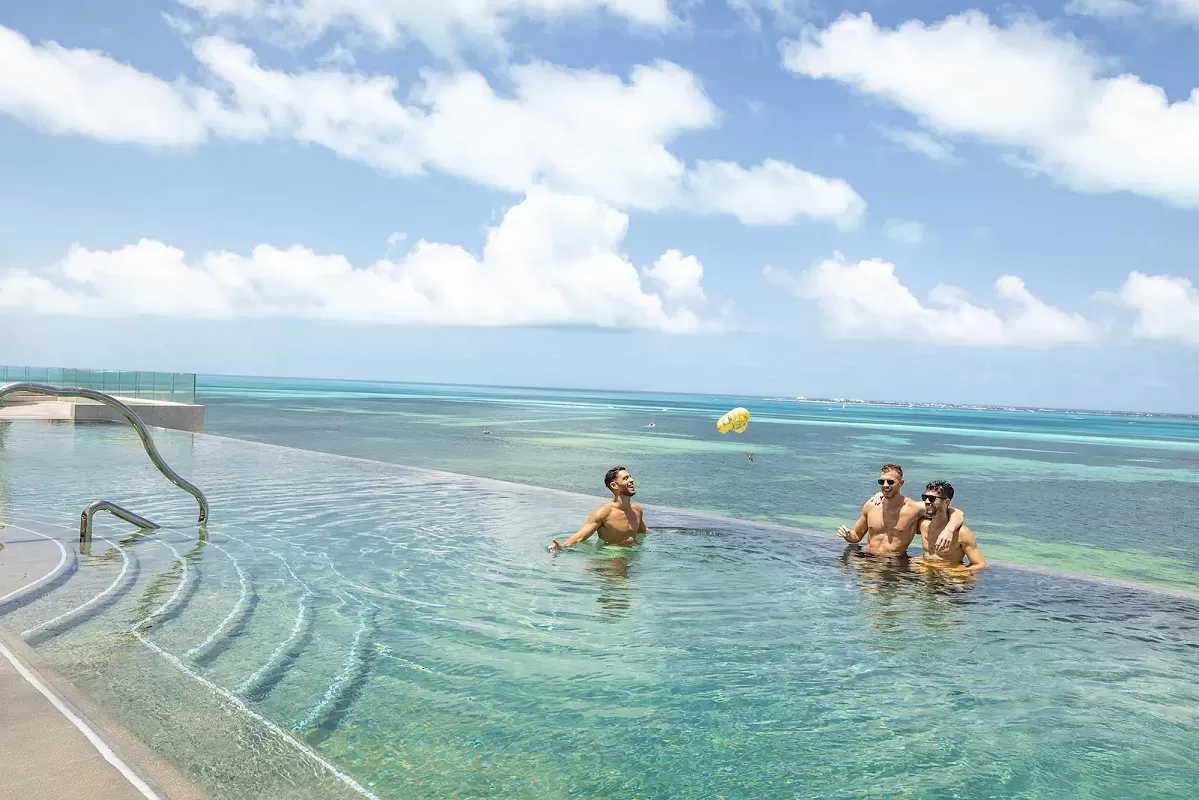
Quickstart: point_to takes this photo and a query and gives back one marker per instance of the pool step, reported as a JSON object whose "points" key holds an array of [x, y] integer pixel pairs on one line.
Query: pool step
{"points": [[34, 566], [276, 627], [107, 574]]}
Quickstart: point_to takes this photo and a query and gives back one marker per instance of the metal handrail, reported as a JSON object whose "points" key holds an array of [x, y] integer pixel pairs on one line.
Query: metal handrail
{"points": [[85, 518], [142, 432]]}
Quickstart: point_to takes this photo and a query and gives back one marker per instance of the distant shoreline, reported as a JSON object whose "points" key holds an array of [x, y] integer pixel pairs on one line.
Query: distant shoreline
{"points": [[977, 407], [738, 398]]}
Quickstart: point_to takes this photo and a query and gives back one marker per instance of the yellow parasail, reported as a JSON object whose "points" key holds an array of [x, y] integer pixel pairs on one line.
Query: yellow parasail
{"points": [[736, 420]]}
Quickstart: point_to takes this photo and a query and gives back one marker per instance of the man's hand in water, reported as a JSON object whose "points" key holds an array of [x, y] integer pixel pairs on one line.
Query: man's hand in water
{"points": [[555, 546], [845, 533]]}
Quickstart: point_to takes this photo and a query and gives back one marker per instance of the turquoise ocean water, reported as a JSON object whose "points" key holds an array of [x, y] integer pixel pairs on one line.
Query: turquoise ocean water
{"points": [[409, 627]]}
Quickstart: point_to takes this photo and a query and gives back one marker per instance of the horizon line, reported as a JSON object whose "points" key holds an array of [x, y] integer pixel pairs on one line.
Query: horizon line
{"points": [[768, 398]]}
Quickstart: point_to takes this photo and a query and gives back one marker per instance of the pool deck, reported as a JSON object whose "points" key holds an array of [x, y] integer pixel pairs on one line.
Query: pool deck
{"points": [[57, 744], [158, 413]]}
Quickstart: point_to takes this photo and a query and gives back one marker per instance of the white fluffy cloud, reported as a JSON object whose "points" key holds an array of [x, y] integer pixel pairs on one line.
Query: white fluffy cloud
{"points": [[772, 193], [1167, 307], [867, 299], [443, 26], [576, 131], [84, 92], [1022, 87], [552, 259], [681, 277]]}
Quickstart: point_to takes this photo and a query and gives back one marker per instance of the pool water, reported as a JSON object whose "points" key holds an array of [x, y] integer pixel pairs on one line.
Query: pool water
{"points": [[1103, 495], [353, 627]]}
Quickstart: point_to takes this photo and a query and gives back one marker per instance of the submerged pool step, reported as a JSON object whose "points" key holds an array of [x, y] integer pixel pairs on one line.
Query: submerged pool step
{"points": [[234, 623], [324, 717], [103, 573], [218, 740], [259, 683], [302, 654], [220, 601], [274, 625], [322, 680], [40, 564], [94, 591], [266, 619], [120, 579]]}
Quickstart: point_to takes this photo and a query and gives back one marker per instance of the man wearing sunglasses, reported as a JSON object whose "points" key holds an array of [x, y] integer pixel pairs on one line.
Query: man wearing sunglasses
{"points": [[889, 521], [936, 499]]}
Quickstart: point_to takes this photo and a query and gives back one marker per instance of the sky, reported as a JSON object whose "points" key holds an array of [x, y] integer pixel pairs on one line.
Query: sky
{"points": [[986, 203]]}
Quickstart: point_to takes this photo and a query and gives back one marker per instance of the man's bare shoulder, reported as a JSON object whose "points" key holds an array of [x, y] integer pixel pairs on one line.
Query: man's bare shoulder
{"points": [[602, 512], [636, 508]]}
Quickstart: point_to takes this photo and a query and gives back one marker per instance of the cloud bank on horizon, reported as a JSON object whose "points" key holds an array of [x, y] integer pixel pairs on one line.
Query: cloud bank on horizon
{"points": [[642, 142]]}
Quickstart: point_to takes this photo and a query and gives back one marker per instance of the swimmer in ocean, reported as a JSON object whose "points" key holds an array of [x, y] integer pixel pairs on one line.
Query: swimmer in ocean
{"points": [[936, 499], [889, 521], [617, 522]]}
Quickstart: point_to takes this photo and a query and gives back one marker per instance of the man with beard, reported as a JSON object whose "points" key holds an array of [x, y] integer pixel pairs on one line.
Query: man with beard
{"points": [[890, 521], [617, 522], [937, 496]]}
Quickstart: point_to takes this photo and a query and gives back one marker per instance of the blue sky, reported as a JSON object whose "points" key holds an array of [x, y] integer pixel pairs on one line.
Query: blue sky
{"points": [[754, 196]]}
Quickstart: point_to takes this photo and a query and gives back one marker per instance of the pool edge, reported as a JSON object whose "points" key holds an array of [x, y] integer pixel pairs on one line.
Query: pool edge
{"points": [[160, 776]]}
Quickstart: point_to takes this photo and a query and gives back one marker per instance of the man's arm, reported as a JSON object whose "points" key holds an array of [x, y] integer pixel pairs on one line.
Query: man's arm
{"points": [[957, 518], [641, 516], [978, 562], [584, 533], [854, 535]]}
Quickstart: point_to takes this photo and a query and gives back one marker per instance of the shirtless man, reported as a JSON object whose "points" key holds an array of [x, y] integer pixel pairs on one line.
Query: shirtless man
{"points": [[889, 520], [936, 499], [618, 522]]}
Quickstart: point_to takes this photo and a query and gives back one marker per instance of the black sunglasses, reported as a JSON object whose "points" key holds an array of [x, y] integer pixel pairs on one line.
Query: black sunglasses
{"points": [[927, 497], [888, 481]]}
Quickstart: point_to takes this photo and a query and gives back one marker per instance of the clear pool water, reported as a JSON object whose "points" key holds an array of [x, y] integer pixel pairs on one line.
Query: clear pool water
{"points": [[408, 629], [1104, 495]]}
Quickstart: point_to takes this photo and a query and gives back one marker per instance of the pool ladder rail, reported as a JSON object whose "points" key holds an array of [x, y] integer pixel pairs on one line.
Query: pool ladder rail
{"points": [[85, 517]]}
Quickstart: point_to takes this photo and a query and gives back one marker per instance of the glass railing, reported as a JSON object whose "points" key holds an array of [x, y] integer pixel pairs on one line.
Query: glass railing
{"points": [[173, 387]]}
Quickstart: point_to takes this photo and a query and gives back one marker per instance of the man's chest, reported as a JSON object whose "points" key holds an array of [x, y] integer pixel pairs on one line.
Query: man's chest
{"points": [[622, 522], [890, 522], [929, 535]]}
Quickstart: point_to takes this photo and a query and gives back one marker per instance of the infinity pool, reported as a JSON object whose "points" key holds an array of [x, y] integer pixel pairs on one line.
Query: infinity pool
{"points": [[353, 627]]}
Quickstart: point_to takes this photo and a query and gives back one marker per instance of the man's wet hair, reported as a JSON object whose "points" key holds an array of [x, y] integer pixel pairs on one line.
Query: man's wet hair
{"points": [[610, 476], [898, 470], [943, 488]]}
